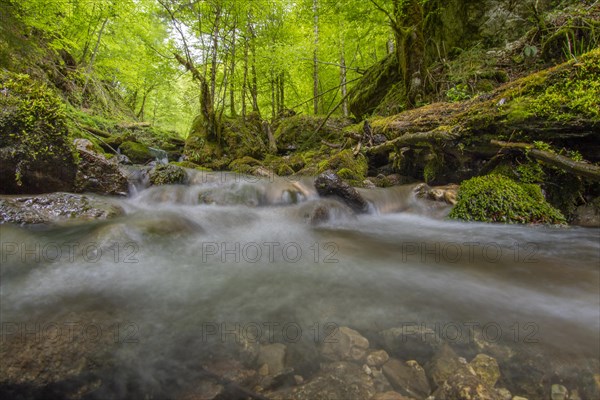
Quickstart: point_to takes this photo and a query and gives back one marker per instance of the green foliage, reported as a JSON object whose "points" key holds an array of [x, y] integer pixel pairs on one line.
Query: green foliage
{"points": [[496, 198], [458, 93]]}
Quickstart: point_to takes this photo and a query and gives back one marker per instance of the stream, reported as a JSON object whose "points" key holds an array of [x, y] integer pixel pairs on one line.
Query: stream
{"points": [[136, 306]]}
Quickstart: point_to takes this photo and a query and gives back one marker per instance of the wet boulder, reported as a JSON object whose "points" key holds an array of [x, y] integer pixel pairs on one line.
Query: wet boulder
{"points": [[330, 184], [138, 153], [96, 174], [167, 174]]}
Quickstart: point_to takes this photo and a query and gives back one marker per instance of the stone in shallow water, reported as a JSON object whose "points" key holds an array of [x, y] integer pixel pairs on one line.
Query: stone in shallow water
{"points": [[345, 344], [558, 392], [407, 378], [486, 369], [377, 358], [273, 356], [329, 184], [337, 380]]}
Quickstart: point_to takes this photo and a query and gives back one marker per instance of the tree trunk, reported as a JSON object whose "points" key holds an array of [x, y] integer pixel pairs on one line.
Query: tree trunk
{"points": [[232, 80], [254, 86], [281, 92], [315, 59], [343, 82], [245, 79], [274, 96], [90, 65], [215, 45], [410, 46]]}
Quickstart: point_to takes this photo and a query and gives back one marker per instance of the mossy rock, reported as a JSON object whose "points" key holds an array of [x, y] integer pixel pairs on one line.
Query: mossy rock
{"points": [[284, 170], [367, 95], [138, 153], [346, 165], [496, 198], [167, 174], [36, 151], [190, 165], [244, 165]]}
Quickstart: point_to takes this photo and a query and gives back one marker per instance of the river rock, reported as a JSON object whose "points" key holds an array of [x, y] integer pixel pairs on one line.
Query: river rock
{"points": [[504, 393], [337, 380], [486, 368], [273, 356], [203, 390], [377, 358], [407, 378], [346, 344], [390, 395], [559, 392], [330, 184], [446, 194], [96, 174], [167, 174], [587, 215], [444, 364], [412, 342], [55, 207], [465, 385]]}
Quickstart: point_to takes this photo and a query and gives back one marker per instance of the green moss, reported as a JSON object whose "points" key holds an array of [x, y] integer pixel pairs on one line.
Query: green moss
{"points": [[244, 165], [189, 164], [167, 174], [36, 144], [566, 92], [138, 153], [496, 198], [433, 167], [284, 170], [531, 172], [344, 162]]}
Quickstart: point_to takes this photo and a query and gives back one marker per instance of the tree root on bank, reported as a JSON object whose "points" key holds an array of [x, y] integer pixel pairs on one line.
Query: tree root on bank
{"points": [[578, 168]]}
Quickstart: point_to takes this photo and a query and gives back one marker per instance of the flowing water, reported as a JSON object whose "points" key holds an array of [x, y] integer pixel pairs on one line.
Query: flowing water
{"points": [[151, 295]]}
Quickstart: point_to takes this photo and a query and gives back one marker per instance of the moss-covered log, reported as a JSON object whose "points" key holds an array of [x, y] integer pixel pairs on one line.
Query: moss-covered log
{"points": [[586, 170]]}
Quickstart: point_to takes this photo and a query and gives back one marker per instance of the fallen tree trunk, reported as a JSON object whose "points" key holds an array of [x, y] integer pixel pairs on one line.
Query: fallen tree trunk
{"points": [[589, 171], [96, 131], [414, 139], [134, 125]]}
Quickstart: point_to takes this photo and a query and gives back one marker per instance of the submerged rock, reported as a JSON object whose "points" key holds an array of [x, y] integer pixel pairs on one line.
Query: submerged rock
{"points": [[345, 344], [55, 207], [337, 380], [273, 357], [407, 378], [486, 368], [330, 184]]}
